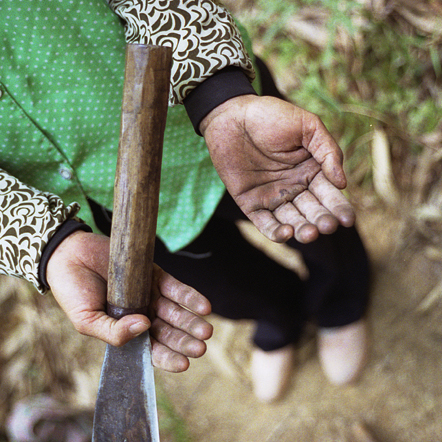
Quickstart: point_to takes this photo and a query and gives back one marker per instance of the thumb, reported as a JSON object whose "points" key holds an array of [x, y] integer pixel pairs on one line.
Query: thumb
{"points": [[333, 170], [324, 149], [116, 332], [126, 328]]}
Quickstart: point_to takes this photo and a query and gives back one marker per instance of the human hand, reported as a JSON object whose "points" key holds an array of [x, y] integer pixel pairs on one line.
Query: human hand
{"points": [[281, 166], [77, 274]]}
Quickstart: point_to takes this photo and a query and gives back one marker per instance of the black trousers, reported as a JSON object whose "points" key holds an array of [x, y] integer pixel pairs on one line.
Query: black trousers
{"points": [[241, 282]]}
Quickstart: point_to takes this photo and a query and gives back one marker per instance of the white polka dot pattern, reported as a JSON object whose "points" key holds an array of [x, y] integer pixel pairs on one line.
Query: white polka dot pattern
{"points": [[61, 75]]}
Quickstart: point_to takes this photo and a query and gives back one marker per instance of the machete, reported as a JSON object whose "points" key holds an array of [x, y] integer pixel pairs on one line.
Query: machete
{"points": [[125, 410]]}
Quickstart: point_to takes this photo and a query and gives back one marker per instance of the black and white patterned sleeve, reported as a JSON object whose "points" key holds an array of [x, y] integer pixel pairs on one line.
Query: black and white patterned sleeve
{"points": [[28, 219], [203, 36]]}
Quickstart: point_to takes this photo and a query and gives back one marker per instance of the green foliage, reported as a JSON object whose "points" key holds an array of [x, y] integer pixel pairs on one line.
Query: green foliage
{"points": [[381, 79]]}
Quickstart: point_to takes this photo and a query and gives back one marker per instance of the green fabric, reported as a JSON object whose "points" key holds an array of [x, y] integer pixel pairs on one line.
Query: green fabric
{"points": [[61, 73]]}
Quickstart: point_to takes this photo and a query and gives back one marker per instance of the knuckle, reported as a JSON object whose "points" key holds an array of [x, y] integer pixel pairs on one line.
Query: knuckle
{"points": [[175, 314], [81, 328], [117, 341]]}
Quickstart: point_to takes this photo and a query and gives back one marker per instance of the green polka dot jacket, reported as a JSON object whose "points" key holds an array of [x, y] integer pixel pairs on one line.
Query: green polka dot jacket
{"points": [[61, 74]]}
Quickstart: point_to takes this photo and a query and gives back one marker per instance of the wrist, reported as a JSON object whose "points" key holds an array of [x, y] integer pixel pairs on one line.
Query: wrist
{"points": [[232, 109], [228, 83], [67, 231]]}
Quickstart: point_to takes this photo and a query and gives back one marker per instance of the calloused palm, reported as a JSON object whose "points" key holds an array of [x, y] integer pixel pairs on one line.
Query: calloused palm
{"points": [[281, 165]]}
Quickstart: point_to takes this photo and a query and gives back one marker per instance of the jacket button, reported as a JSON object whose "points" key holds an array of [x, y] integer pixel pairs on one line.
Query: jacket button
{"points": [[66, 173]]}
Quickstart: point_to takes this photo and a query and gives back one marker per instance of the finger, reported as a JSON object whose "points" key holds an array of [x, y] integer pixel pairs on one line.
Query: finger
{"points": [[112, 331], [177, 340], [305, 232], [270, 227], [320, 143], [333, 200], [316, 213], [181, 293], [167, 359], [183, 319]]}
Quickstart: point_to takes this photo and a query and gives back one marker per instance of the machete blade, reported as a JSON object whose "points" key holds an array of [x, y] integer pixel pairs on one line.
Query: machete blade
{"points": [[126, 394]]}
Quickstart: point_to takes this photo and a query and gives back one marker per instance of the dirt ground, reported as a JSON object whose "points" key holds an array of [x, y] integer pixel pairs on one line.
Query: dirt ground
{"points": [[398, 399]]}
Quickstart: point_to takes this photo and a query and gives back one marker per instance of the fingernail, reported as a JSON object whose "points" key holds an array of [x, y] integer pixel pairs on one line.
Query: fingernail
{"points": [[138, 328]]}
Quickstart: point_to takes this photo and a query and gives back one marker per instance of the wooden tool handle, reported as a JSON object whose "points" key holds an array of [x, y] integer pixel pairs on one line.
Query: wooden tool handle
{"points": [[137, 182]]}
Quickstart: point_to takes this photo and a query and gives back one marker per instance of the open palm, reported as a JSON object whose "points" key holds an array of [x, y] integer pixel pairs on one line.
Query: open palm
{"points": [[281, 166]]}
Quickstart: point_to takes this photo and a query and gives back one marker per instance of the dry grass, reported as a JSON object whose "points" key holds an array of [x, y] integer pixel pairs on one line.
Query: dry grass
{"points": [[40, 351]]}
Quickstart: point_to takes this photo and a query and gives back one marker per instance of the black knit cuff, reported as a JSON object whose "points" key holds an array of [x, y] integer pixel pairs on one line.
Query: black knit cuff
{"points": [[228, 83], [68, 227]]}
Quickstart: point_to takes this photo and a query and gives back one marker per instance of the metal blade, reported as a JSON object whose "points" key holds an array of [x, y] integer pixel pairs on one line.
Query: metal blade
{"points": [[126, 409]]}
